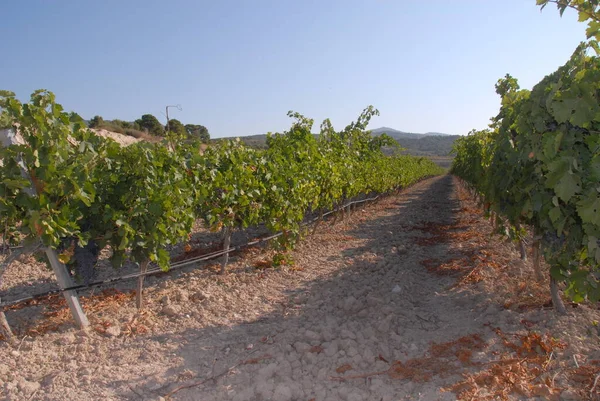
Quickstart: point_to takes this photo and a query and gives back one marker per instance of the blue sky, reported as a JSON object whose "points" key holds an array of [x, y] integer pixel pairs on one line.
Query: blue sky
{"points": [[237, 67]]}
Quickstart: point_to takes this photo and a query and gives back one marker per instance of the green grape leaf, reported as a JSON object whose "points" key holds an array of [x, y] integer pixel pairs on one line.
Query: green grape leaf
{"points": [[554, 214], [589, 209], [567, 187]]}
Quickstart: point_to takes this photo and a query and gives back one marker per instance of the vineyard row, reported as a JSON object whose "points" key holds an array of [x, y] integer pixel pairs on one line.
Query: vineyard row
{"points": [[66, 189], [538, 166]]}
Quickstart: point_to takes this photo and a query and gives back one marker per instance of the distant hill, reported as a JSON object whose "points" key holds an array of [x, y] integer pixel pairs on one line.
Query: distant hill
{"points": [[428, 144], [255, 141], [394, 133]]}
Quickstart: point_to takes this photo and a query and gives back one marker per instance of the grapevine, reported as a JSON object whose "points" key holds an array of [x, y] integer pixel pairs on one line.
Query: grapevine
{"points": [[539, 165], [138, 200]]}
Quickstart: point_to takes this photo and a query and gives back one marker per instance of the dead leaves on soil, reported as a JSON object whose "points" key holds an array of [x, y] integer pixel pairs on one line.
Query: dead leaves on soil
{"points": [[481, 260], [469, 268], [460, 232], [441, 360], [57, 313], [523, 367], [344, 368]]}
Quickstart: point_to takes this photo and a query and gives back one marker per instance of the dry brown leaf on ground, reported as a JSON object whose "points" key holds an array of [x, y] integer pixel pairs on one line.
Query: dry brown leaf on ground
{"points": [[344, 368]]}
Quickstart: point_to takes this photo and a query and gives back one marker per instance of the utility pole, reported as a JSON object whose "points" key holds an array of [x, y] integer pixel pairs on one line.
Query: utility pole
{"points": [[178, 107]]}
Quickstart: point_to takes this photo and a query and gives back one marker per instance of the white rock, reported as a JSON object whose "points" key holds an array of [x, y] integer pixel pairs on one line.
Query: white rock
{"points": [[297, 390], [384, 325], [301, 347], [323, 374], [345, 333], [349, 303], [113, 331], [199, 296], [309, 358], [4, 369], [387, 310], [348, 343], [284, 369], [282, 393], [331, 348], [376, 382], [363, 313], [380, 365], [244, 395], [182, 295], [268, 371], [401, 250], [312, 336], [28, 387], [171, 310], [68, 338], [343, 393], [368, 355], [373, 301], [327, 335], [396, 289], [368, 332], [265, 389], [355, 397]]}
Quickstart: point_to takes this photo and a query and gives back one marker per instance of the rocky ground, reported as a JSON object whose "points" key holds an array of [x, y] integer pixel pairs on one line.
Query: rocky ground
{"points": [[412, 298]]}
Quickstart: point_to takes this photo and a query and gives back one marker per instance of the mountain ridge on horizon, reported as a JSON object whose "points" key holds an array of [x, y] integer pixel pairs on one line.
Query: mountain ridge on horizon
{"points": [[427, 144], [394, 133]]}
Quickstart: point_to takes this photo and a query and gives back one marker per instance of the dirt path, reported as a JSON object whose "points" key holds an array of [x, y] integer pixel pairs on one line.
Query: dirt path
{"points": [[376, 303], [367, 313]]}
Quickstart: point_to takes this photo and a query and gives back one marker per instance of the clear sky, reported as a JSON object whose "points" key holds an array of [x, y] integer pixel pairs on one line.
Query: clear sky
{"points": [[237, 67]]}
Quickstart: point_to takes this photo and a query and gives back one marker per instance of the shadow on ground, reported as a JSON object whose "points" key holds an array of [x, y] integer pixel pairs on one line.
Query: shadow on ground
{"points": [[382, 305]]}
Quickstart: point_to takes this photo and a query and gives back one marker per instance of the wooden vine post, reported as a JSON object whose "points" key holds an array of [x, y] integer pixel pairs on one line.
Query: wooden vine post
{"points": [[227, 231], [64, 281], [9, 137], [139, 296]]}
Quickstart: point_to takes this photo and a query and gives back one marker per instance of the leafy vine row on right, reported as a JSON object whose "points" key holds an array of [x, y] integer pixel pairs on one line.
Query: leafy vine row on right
{"points": [[538, 164]]}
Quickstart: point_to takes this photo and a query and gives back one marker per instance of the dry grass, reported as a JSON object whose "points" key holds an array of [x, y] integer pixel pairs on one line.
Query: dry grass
{"points": [[523, 369], [57, 314], [142, 135]]}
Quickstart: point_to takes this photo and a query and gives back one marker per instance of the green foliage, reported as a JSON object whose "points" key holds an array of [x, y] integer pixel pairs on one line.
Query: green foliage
{"points": [[123, 124], [139, 199], [57, 158], [233, 193], [118, 126], [176, 127], [587, 10], [5, 120], [144, 202], [196, 131], [151, 124], [96, 122], [541, 166]]}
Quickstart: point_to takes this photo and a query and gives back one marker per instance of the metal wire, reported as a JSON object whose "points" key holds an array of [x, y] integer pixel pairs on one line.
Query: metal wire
{"points": [[173, 266]]}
